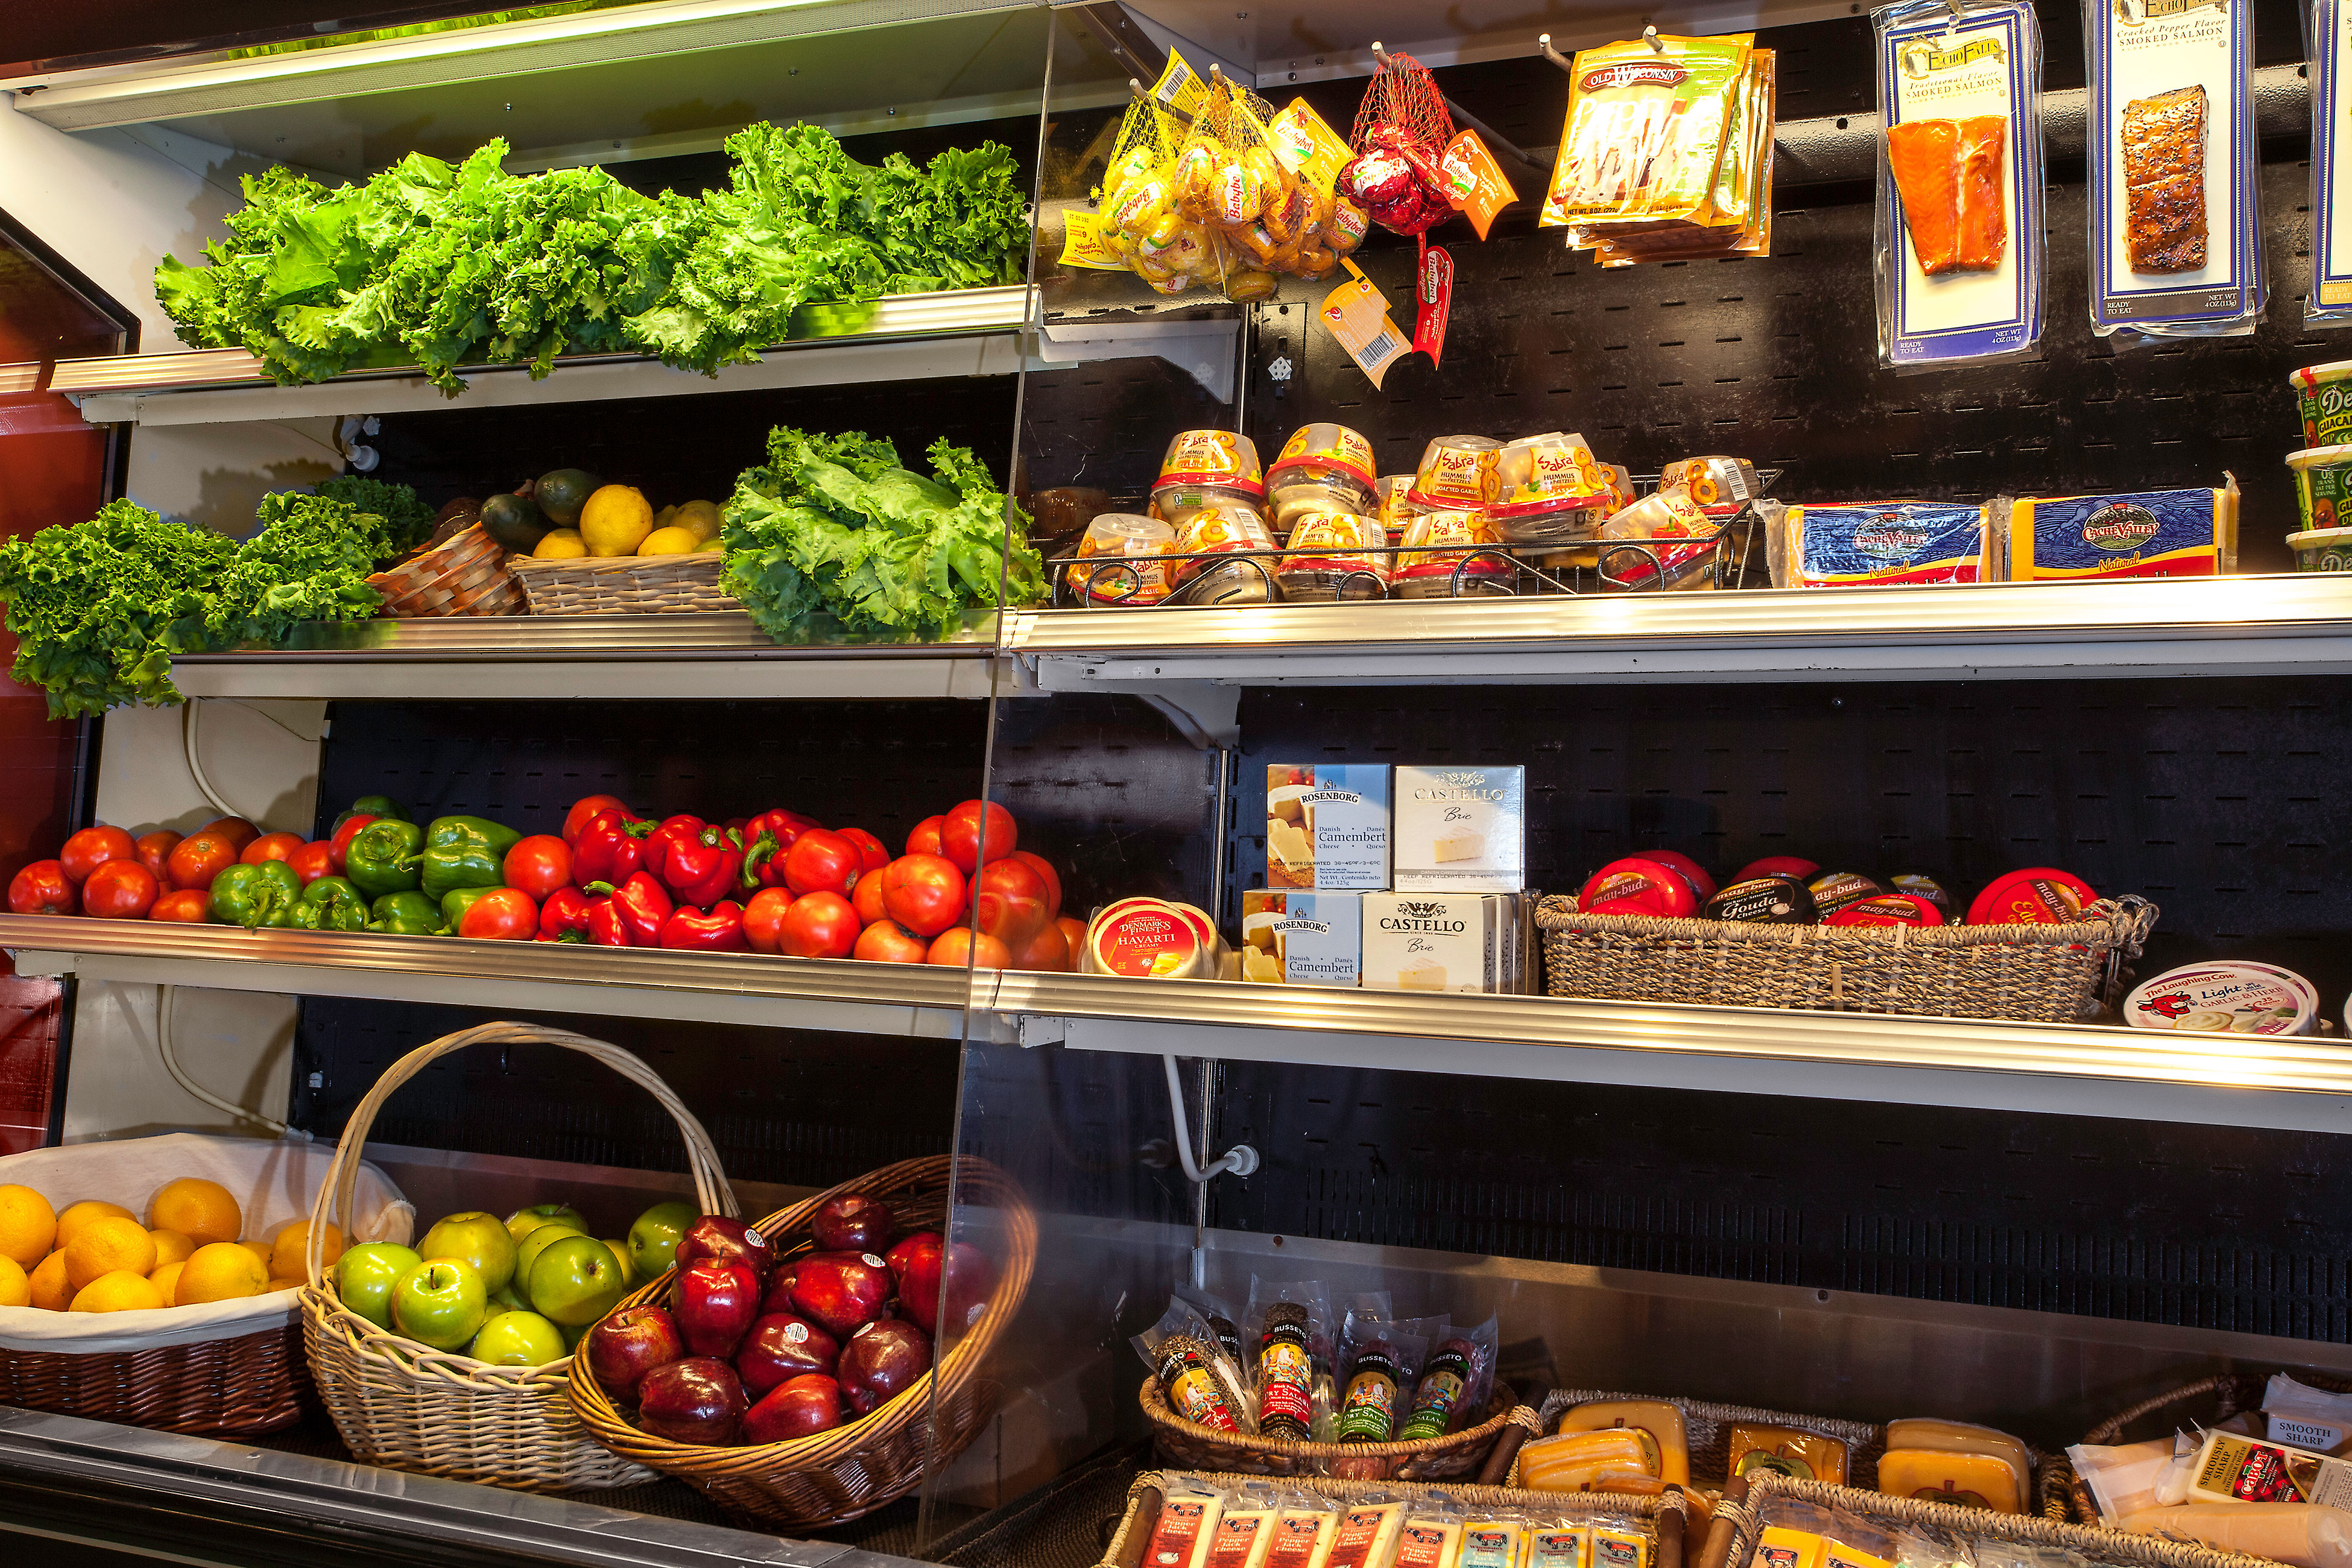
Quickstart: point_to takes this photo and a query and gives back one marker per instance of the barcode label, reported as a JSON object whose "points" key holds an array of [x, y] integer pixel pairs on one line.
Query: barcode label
{"points": [[1379, 351]]}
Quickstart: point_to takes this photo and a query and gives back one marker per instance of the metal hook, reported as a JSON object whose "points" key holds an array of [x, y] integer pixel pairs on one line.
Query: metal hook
{"points": [[1649, 37], [1543, 47]]}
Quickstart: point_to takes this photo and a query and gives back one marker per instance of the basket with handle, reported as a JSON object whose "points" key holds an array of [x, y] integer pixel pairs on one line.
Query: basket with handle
{"points": [[624, 586], [408, 1406], [1188, 1445], [466, 575], [832, 1477], [2207, 1402]]}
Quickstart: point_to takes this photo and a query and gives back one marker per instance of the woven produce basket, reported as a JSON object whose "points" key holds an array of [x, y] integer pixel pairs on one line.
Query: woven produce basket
{"points": [[1708, 1428], [2051, 974], [1188, 1445], [625, 586], [1150, 1489], [2207, 1402], [837, 1476], [468, 575], [408, 1406]]}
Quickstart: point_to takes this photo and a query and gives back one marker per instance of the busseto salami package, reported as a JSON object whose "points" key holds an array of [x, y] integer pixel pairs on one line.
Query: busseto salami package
{"points": [[2327, 38], [2143, 533], [1886, 544], [2174, 229], [1960, 260]]}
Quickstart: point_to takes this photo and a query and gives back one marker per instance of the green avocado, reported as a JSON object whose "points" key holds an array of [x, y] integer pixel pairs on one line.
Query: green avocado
{"points": [[562, 493], [515, 522]]}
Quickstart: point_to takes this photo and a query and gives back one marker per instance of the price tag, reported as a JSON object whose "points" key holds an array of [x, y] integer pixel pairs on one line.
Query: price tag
{"points": [[1357, 315]]}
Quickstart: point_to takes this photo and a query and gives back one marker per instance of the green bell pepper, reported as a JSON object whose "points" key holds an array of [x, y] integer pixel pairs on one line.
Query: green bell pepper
{"points": [[375, 805], [383, 857], [454, 903], [256, 896], [462, 852], [408, 913], [331, 903]]}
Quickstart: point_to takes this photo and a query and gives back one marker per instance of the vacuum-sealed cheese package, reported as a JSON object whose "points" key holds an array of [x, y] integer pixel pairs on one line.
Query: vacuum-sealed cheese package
{"points": [[2328, 36], [1886, 544], [2144, 533], [1959, 258], [2174, 228]]}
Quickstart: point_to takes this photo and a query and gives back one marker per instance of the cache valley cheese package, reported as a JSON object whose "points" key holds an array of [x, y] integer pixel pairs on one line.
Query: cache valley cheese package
{"points": [[2146, 533], [1886, 544]]}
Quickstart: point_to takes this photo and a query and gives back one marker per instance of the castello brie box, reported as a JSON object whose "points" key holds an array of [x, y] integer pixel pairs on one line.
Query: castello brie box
{"points": [[1326, 824], [1445, 941], [1461, 830], [1295, 938]]}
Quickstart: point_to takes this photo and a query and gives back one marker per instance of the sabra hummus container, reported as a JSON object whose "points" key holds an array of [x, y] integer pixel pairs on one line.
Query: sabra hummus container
{"points": [[1458, 472], [1224, 531], [2323, 485], [1322, 465], [1345, 558], [2222, 998], [1713, 481], [1212, 457], [1119, 560], [2036, 896], [1551, 520], [2323, 550], [2323, 396], [1176, 503], [1425, 570], [1546, 468]]}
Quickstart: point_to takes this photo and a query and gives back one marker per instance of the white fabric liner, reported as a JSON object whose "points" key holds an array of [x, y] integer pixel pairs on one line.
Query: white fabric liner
{"points": [[273, 1180]]}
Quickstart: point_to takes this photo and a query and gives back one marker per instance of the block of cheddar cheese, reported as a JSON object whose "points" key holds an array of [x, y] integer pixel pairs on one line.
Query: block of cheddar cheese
{"points": [[1961, 1438], [1666, 1446], [1964, 1480], [1781, 1547], [1576, 1461], [1790, 1450]]}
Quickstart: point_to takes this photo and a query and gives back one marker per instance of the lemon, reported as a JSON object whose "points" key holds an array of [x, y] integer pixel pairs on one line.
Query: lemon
{"points": [[711, 547], [200, 1210], [108, 1245], [670, 541], [76, 1216], [701, 516], [29, 1226], [121, 1292], [561, 545], [615, 521], [224, 1271], [664, 517], [51, 1291], [167, 1281], [15, 1288]]}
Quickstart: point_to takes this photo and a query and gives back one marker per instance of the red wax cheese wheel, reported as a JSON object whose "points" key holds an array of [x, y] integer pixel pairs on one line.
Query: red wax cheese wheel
{"points": [[1920, 885], [1639, 887], [1778, 865], [1834, 890], [2038, 895], [1702, 885], [1887, 910]]}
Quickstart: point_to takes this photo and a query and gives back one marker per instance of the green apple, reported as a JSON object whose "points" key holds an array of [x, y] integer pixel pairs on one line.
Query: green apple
{"points": [[479, 1238], [440, 1302], [653, 1240], [365, 1275], [527, 1254], [572, 1336], [508, 1298], [518, 1339], [575, 1279], [522, 1222], [620, 1249]]}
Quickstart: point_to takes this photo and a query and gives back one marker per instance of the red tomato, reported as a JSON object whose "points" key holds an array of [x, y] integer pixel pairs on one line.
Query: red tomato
{"points": [[887, 942], [234, 831], [586, 807], [957, 947], [502, 914], [119, 890], [1008, 902], [867, 899], [820, 925], [871, 856], [188, 906], [1046, 874], [314, 861], [93, 846], [196, 861], [763, 919], [1049, 949], [925, 893], [539, 865], [1074, 932], [270, 847], [154, 852], [925, 838], [823, 861], [340, 844], [960, 834], [41, 889]]}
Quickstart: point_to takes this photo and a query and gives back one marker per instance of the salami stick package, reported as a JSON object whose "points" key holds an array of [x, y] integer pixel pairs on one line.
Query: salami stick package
{"points": [[1960, 255]]}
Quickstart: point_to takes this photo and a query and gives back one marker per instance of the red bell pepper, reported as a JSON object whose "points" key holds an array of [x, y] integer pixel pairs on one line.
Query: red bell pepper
{"points": [[565, 916], [340, 843], [610, 847], [641, 907], [718, 929], [700, 869], [765, 838], [672, 829], [604, 926]]}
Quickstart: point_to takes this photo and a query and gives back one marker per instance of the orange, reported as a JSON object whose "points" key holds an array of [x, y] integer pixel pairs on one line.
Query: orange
{"points": [[15, 1288], [77, 1215], [286, 1253], [220, 1271], [121, 1292], [108, 1245], [200, 1210], [171, 1247], [282, 1283], [260, 1249], [167, 1281], [51, 1291], [29, 1226]]}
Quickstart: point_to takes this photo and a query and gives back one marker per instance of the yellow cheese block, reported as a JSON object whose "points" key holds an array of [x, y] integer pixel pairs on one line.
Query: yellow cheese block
{"points": [[1573, 1461], [1657, 1422], [1838, 1554], [1243, 1538], [1302, 1537], [1429, 1540], [1790, 1450], [1966, 1480], [1497, 1543], [1559, 1546], [1961, 1437], [1614, 1546], [1780, 1547], [1367, 1536]]}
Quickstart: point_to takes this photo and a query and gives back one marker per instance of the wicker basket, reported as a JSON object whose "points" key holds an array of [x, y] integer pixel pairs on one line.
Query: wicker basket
{"points": [[1707, 1429], [468, 575], [1188, 1445], [1150, 1489], [625, 586], [2207, 1402], [836, 1476], [238, 1387], [400, 1403], [2051, 974]]}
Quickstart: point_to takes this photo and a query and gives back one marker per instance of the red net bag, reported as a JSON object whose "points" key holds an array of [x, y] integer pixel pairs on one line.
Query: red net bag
{"points": [[1400, 136]]}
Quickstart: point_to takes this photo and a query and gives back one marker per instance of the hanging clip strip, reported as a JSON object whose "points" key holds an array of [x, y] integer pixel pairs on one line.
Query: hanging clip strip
{"points": [[1543, 47]]}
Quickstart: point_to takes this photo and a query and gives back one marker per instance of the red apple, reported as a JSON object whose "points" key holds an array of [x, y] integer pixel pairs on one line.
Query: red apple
{"points": [[838, 1294], [779, 1347], [624, 1347], [798, 1408], [915, 1264], [716, 1305], [882, 1360], [971, 1281], [778, 1298], [853, 1223], [698, 1400], [728, 1240], [1010, 901]]}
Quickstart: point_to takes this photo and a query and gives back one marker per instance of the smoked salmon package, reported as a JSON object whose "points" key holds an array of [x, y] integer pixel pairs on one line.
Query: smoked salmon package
{"points": [[1960, 257], [2175, 236], [2327, 35]]}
